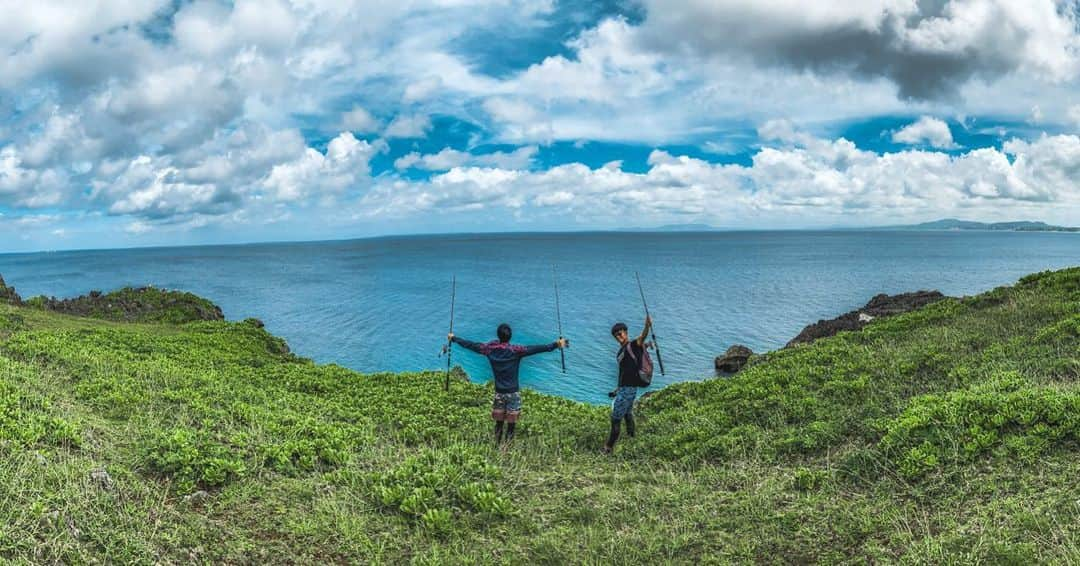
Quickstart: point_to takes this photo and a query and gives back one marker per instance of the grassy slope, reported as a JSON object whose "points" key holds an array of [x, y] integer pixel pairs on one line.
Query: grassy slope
{"points": [[948, 434]]}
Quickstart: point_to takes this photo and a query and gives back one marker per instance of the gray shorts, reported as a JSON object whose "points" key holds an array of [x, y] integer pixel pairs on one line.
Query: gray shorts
{"points": [[506, 403]]}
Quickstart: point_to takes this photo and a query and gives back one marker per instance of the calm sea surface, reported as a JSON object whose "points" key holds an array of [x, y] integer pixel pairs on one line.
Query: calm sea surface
{"points": [[384, 304]]}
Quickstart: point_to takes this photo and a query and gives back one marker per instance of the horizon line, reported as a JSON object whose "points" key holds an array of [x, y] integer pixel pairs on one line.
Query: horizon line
{"points": [[666, 229]]}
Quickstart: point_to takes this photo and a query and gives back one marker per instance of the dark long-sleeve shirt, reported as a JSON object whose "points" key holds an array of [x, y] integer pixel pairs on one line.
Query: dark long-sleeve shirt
{"points": [[505, 359]]}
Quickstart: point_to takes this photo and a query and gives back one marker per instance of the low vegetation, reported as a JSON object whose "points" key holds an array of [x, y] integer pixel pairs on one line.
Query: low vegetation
{"points": [[948, 434]]}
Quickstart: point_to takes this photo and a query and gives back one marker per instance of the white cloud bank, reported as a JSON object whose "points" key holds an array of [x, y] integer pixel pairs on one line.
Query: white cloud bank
{"points": [[807, 182]]}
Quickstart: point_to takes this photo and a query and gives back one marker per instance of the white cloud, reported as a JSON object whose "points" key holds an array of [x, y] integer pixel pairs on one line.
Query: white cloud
{"points": [[209, 28], [1036, 114], [150, 188], [449, 158], [1074, 115], [415, 126], [810, 182], [344, 165], [926, 130], [27, 187], [138, 227], [359, 120], [422, 89]]}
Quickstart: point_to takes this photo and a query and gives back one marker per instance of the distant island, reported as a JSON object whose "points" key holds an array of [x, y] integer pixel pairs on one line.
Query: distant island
{"points": [[685, 228], [674, 228], [943, 224], [956, 224]]}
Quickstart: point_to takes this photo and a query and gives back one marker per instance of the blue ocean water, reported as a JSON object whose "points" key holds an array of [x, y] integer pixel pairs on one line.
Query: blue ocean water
{"points": [[384, 304]]}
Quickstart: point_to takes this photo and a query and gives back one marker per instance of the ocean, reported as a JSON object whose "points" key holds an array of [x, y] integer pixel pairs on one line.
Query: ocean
{"points": [[383, 304]]}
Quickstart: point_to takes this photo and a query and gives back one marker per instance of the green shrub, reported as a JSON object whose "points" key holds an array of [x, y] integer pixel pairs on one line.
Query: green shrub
{"points": [[27, 420], [192, 459], [1006, 414], [438, 484]]}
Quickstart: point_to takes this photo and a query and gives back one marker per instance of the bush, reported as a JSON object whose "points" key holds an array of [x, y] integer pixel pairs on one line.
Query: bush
{"points": [[27, 421], [1006, 415], [435, 485], [192, 459]]}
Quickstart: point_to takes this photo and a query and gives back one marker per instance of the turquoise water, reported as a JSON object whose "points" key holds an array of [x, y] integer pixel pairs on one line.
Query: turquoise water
{"points": [[384, 304]]}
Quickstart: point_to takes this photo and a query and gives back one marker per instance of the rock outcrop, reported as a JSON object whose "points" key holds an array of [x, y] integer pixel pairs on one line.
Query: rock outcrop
{"points": [[8, 294], [143, 304], [733, 359], [880, 306]]}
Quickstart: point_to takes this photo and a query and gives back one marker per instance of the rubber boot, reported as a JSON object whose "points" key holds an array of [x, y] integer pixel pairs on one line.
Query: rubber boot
{"points": [[510, 432], [631, 428], [613, 436], [498, 433]]}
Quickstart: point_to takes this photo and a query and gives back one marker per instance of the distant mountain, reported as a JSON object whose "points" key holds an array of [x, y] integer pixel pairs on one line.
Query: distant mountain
{"points": [[956, 224], [683, 228]]}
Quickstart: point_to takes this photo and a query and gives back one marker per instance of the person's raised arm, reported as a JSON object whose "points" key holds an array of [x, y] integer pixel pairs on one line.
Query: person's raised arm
{"points": [[530, 350], [468, 344], [644, 331]]}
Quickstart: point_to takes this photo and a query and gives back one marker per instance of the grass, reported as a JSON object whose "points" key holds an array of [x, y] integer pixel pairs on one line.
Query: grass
{"points": [[946, 435]]}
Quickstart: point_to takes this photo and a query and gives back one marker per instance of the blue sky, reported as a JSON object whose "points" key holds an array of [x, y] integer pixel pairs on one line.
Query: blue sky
{"points": [[190, 122]]}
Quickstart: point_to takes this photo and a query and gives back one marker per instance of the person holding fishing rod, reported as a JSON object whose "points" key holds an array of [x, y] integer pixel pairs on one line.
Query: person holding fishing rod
{"points": [[635, 370], [505, 359]]}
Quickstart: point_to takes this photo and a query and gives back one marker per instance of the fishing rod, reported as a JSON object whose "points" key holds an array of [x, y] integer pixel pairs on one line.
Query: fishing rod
{"points": [[449, 343], [558, 316], [659, 360]]}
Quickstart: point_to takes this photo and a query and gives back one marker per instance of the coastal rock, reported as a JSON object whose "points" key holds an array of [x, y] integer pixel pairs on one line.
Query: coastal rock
{"points": [[733, 359], [197, 498], [880, 306], [8, 294], [102, 478], [130, 304]]}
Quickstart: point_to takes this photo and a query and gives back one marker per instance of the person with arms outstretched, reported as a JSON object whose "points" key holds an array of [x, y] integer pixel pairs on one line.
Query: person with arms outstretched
{"points": [[505, 359]]}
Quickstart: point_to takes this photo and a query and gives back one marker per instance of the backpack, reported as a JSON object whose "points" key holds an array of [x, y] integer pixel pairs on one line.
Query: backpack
{"points": [[645, 367]]}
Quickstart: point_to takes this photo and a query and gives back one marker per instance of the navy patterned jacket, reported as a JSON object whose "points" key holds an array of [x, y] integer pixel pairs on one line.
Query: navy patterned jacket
{"points": [[505, 359]]}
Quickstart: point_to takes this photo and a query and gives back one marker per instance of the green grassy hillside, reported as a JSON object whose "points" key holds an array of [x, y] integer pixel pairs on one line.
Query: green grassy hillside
{"points": [[949, 434]]}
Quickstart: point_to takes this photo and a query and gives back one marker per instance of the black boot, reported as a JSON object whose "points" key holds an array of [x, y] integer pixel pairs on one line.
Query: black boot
{"points": [[510, 432], [630, 427], [613, 436], [498, 433]]}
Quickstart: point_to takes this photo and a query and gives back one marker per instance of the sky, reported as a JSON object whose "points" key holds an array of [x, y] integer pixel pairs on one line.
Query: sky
{"points": [[164, 122]]}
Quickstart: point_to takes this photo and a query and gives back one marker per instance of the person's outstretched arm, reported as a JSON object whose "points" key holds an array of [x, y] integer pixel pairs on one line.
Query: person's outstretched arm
{"points": [[477, 347], [644, 331], [530, 350]]}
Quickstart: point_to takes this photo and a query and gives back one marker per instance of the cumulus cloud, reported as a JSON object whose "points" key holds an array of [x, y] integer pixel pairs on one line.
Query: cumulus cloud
{"points": [[27, 187], [808, 177], [449, 158], [345, 163], [414, 126], [926, 131], [928, 49], [153, 189], [359, 120]]}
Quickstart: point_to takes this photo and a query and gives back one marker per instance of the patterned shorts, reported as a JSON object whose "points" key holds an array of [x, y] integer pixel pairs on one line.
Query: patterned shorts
{"points": [[624, 402], [507, 402]]}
